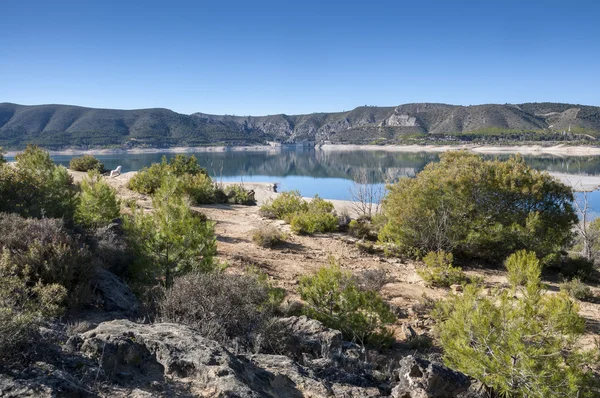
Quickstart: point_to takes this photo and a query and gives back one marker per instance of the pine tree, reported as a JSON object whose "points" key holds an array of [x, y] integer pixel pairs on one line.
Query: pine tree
{"points": [[172, 239], [98, 203], [519, 342]]}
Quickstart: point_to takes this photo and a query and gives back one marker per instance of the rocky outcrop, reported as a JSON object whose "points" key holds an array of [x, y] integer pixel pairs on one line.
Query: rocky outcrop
{"points": [[419, 378], [120, 358], [135, 355], [311, 337]]}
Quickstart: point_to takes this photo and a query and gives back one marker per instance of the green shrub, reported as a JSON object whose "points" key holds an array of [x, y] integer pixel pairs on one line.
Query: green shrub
{"points": [[334, 297], [577, 289], [319, 205], [359, 229], [237, 194], [267, 237], [520, 342], [199, 187], [86, 163], [571, 266], [181, 165], [98, 204], [173, 239], [523, 266], [148, 179], [35, 159], [479, 209], [310, 223], [439, 271], [24, 306], [35, 187], [285, 205]]}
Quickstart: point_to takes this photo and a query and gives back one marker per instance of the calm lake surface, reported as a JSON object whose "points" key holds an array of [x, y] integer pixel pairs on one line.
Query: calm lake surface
{"points": [[329, 173]]}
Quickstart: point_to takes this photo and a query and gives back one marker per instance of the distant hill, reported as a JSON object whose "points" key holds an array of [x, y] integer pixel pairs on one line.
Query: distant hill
{"points": [[65, 126]]}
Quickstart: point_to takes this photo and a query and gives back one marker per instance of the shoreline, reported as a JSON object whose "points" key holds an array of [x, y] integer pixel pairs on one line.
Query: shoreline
{"points": [[558, 150], [536, 149]]}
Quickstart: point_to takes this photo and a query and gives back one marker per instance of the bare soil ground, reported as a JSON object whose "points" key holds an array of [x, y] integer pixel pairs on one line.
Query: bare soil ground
{"points": [[301, 255]]}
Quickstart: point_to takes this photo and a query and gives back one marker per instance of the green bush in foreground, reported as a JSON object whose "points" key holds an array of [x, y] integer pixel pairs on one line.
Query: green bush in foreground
{"points": [[173, 239], [439, 271], [98, 204], [334, 297], [519, 342], [148, 179], [86, 163]]}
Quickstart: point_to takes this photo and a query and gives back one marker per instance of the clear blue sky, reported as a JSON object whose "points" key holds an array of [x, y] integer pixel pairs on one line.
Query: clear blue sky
{"points": [[263, 57]]}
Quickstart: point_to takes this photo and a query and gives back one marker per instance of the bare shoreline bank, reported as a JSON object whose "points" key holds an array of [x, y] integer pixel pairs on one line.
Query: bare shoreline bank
{"points": [[557, 150]]}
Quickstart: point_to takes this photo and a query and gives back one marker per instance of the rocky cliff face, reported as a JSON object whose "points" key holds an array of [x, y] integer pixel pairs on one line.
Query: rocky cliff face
{"points": [[59, 126]]}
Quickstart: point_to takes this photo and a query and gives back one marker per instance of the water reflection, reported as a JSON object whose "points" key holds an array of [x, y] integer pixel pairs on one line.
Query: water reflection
{"points": [[328, 173]]}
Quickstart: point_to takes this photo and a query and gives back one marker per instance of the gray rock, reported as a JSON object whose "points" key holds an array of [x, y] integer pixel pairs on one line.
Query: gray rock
{"points": [[136, 355], [311, 337], [42, 380], [419, 378], [114, 294]]}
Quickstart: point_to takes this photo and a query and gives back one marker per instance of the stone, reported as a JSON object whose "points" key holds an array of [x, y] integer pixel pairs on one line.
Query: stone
{"points": [[311, 337], [114, 294], [419, 378]]}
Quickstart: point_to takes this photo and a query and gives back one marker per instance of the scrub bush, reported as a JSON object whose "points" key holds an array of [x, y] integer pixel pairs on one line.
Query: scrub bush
{"points": [[334, 297], [24, 306], [577, 289], [520, 342], [284, 206], [479, 209], [86, 163], [267, 237], [98, 204], [310, 223], [221, 307], [172, 239], [439, 271], [36, 187]]}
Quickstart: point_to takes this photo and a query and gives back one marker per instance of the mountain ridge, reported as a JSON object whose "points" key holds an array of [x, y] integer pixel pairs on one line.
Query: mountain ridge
{"points": [[59, 126]]}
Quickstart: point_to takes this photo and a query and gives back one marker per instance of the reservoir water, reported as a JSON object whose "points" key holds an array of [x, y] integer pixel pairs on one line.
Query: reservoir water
{"points": [[329, 173]]}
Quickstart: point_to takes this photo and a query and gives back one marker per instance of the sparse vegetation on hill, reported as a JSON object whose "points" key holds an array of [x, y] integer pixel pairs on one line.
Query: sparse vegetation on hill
{"points": [[60, 126]]}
